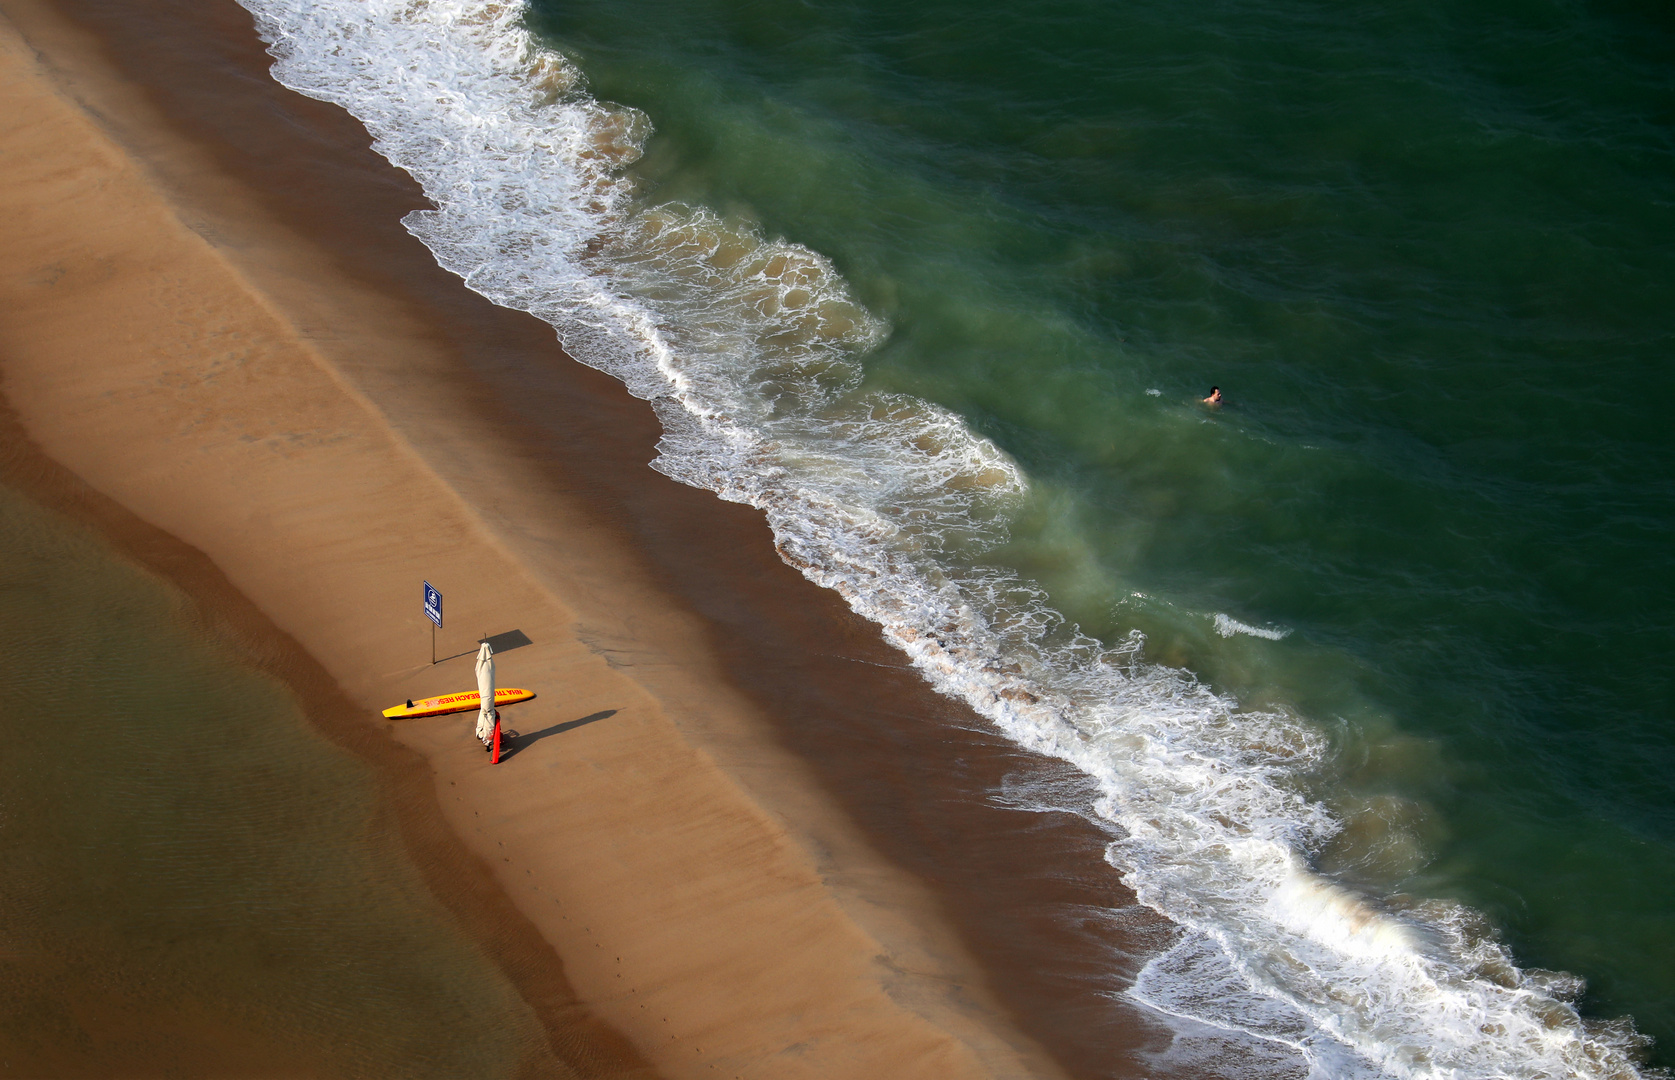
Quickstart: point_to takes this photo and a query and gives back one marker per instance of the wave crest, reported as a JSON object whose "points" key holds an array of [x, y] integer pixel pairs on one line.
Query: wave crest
{"points": [[748, 347]]}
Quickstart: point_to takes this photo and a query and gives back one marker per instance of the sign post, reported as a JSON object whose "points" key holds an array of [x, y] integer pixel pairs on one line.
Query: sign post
{"points": [[433, 611]]}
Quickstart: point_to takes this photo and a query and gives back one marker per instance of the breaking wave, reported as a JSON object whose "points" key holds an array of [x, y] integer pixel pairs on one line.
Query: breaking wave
{"points": [[1228, 626], [748, 347]]}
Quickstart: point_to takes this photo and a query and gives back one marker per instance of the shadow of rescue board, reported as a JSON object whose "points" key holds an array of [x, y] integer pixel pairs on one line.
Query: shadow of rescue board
{"points": [[451, 703], [511, 639]]}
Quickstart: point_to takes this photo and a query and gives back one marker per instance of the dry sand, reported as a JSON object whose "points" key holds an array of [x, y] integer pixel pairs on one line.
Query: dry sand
{"points": [[167, 341]]}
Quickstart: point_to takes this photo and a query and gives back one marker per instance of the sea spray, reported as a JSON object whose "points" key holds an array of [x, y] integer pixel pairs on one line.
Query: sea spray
{"points": [[1228, 626], [749, 349]]}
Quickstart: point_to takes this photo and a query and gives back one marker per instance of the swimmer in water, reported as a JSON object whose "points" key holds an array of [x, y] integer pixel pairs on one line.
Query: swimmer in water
{"points": [[1215, 396]]}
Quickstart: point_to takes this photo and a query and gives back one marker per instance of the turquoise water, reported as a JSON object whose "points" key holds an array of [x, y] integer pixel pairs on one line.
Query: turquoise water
{"points": [[193, 882], [1428, 252], [1365, 669]]}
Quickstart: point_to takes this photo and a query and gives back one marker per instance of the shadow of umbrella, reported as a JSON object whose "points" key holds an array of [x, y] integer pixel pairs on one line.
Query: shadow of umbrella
{"points": [[511, 743]]}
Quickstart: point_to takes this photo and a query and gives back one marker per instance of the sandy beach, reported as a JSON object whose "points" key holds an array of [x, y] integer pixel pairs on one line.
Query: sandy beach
{"points": [[1018, 716], [275, 380]]}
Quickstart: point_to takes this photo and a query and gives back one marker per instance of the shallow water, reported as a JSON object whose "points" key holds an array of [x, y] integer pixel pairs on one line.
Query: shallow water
{"points": [[1367, 666], [193, 881]]}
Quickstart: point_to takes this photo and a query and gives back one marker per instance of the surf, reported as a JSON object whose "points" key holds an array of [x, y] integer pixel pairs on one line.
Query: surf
{"points": [[750, 348]]}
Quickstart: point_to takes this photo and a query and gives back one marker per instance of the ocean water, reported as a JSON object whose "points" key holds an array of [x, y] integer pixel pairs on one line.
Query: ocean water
{"points": [[1369, 666], [193, 881]]}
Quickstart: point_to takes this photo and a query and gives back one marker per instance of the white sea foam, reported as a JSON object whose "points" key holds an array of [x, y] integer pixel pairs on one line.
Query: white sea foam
{"points": [[1227, 626], [747, 348]]}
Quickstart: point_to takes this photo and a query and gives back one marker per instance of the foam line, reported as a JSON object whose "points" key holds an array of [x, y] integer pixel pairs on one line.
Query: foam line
{"points": [[748, 348]]}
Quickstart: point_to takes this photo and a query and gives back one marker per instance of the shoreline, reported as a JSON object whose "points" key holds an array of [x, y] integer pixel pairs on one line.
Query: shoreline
{"points": [[433, 386], [463, 883]]}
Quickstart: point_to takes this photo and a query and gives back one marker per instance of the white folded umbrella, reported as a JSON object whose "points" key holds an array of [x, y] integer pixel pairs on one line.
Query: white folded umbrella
{"points": [[485, 690]]}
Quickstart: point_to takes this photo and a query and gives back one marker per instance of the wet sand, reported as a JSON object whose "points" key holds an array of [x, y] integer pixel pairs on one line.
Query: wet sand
{"points": [[735, 832]]}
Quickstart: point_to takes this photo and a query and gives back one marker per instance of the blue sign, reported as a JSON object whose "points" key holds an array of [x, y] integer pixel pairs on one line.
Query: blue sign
{"points": [[433, 604]]}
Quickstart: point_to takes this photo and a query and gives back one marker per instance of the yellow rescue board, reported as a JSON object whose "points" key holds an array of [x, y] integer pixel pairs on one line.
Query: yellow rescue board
{"points": [[462, 702]]}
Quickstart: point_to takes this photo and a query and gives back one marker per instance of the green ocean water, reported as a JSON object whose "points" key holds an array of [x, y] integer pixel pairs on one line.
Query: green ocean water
{"points": [[193, 882], [1428, 253]]}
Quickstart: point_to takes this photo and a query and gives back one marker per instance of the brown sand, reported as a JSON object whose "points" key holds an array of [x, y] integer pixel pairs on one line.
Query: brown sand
{"points": [[124, 1036], [182, 85], [173, 344]]}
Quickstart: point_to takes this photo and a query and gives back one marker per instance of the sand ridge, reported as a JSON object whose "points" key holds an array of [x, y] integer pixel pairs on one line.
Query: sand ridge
{"points": [[188, 361]]}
